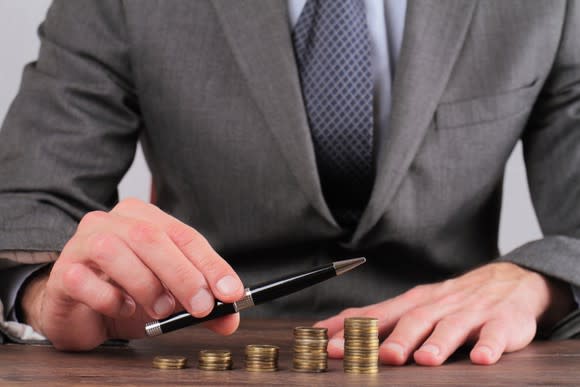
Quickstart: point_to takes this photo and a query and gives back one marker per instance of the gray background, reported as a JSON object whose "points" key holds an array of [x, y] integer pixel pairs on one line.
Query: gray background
{"points": [[19, 44]]}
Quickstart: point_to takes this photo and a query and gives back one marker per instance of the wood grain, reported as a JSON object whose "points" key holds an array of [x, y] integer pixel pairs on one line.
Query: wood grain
{"points": [[542, 363]]}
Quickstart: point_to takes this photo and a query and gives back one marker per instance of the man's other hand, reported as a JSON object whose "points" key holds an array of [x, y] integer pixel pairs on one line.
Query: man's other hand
{"points": [[497, 307]]}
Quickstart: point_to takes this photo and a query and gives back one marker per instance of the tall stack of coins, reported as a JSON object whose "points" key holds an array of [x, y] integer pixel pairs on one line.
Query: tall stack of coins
{"points": [[262, 358], [361, 345], [170, 362], [310, 353], [215, 360]]}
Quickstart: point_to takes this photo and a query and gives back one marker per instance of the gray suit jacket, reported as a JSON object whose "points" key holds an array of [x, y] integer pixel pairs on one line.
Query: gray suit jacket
{"points": [[212, 91]]}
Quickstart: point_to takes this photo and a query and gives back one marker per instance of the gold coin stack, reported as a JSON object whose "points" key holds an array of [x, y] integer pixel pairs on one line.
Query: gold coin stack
{"points": [[361, 345], [170, 362], [261, 358], [215, 360], [310, 353]]}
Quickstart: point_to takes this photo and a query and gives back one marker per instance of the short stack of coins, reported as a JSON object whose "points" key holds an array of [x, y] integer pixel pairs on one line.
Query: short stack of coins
{"points": [[261, 358], [215, 360], [170, 362], [310, 353], [361, 345]]}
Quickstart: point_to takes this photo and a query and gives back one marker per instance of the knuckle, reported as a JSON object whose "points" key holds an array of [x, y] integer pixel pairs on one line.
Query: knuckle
{"points": [[145, 232], [105, 301], [184, 273], [101, 247], [416, 293], [73, 278], [184, 236], [454, 323], [208, 263], [505, 314], [145, 290], [91, 219], [128, 204], [418, 315], [446, 286], [350, 312]]}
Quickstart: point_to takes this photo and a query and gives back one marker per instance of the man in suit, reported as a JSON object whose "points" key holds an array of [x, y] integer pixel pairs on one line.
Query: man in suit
{"points": [[217, 94]]}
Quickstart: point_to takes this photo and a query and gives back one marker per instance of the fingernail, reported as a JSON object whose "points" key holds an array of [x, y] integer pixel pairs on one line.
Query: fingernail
{"points": [[202, 302], [397, 348], [337, 343], [128, 307], [164, 305], [228, 285], [432, 349]]}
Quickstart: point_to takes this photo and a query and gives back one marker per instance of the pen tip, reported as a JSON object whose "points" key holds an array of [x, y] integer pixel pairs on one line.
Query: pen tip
{"points": [[348, 264]]}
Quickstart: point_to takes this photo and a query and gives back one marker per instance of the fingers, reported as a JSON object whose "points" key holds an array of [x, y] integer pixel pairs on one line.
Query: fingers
{"points": [[429, 323], [157, 258], [491, 343], [449, 334], [113, 257], [172, 255], [225, 325], [129, 265], [387, 312], [221, 278], [410, 331], [506, 333], [97, 294]]}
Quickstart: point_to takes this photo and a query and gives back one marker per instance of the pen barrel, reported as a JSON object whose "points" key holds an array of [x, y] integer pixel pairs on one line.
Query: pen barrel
{"points": [[274, 289], [184, 319]]}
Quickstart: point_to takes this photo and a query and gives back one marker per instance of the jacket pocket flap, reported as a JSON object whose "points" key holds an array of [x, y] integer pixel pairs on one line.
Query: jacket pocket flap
{"points": [[483, 109]]}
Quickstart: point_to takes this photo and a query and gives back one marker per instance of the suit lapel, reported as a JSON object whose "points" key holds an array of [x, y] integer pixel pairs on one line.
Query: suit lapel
{"points": [[433, 36], [259, 35]]}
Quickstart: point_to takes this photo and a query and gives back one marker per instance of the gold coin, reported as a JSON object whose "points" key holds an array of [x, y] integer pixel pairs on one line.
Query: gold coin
{"points": [[261, 369], [169, 362], [361, 320], [169, 366], [312, 370], [310, 356], [262, 348], [215, 359], [361, 371], [215, 353], [170, 359], [310, 332], [212, 368]]}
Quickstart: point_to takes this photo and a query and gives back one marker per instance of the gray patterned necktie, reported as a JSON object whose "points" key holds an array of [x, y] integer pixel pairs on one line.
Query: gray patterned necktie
{"points": [[333, 54]]}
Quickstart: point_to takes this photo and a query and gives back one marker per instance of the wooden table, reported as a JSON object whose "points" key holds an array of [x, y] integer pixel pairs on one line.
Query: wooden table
{"points": [[542, 363]]}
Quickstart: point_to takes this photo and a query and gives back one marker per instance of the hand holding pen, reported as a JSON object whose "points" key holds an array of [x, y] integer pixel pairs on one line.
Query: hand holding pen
{"points": [[122, 268]]}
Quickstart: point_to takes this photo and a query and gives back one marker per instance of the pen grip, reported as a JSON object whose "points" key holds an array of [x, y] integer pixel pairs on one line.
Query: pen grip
{"points": [[184, 319]]}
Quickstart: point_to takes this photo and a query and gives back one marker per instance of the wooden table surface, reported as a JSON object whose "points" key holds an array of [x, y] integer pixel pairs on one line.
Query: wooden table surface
{"points": [[541, 364]]}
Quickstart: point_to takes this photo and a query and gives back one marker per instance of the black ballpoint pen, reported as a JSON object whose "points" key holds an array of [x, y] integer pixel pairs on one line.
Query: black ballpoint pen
{"points": [[257, 294]]}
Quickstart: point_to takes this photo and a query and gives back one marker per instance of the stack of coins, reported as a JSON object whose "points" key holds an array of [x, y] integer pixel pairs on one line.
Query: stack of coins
{"points": [[361, 345], [262, 358], [310, 353], [215, 360], [170, 362]]}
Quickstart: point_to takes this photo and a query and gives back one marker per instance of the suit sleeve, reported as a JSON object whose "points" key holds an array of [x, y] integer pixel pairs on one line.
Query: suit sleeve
{"points": [[552, 156], [68, 138], [71, 132]]}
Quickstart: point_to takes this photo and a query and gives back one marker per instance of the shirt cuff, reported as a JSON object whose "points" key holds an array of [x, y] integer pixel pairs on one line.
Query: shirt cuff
{"points": [[13, 279]]}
